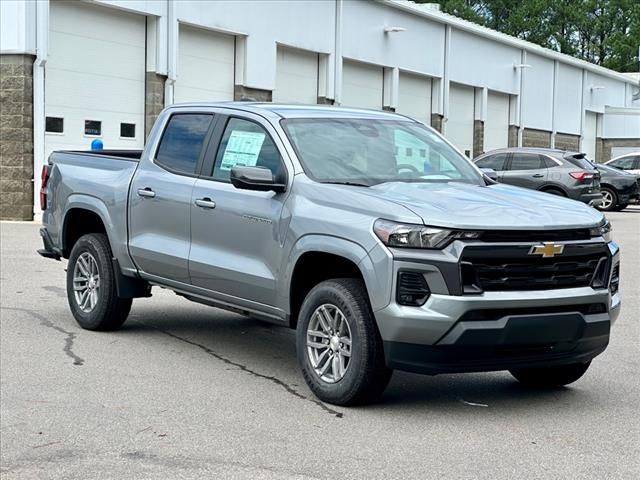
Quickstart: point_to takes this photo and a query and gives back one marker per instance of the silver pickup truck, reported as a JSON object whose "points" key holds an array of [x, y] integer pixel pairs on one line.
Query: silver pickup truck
{"points": [[366, 231]]}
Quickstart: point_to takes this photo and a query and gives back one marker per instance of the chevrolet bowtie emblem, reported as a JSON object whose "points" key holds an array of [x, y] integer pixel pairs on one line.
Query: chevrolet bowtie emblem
{"points": [[547, 250]]}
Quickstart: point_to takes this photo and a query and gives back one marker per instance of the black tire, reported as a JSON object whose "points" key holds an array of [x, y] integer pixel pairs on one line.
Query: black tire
{"points": [[614, 199], [366, 375], [550, 376], [554, 191], [110, 311], [621, 207]]}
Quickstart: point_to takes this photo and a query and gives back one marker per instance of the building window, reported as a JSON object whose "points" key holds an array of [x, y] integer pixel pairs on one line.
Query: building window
{"points": [[54, 125], [128, 130], [93, 127]]}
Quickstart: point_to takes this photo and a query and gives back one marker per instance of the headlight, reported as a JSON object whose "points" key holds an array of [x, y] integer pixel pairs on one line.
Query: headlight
{"points": [[603, 231], [409, 235]]}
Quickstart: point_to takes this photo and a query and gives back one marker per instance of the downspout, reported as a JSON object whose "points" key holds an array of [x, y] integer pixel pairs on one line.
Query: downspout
{"points": [[172, 53], [554, 100], [523, 61], [42, 44], [337, 77], [445, 79]]}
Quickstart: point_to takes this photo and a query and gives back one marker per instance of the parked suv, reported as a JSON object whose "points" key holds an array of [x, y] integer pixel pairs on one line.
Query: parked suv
{"points": [[629, 162], [563, 173]]}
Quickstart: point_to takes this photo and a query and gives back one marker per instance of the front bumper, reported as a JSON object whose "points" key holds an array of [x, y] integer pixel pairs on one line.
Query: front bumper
{"points": [[494, 330]]}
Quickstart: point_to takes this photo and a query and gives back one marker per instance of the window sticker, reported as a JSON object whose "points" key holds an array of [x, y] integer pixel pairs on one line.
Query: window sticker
{"points": [[243, 149]]}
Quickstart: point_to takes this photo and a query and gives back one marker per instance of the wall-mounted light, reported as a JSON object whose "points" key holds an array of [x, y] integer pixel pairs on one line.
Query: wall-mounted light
{"points": [[516, 66], [394, 29]]}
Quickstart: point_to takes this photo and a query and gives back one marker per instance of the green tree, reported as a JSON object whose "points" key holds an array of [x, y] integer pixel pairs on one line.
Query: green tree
{"points": [[604, 32]]}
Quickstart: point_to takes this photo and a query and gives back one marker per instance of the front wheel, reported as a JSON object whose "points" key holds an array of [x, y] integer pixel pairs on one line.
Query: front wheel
{"points": [[339, 347], [550, 376], [91, 286]]}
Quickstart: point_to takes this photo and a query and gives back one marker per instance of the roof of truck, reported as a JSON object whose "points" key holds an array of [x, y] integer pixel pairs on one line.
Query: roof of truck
{"points": [[300, 111]]}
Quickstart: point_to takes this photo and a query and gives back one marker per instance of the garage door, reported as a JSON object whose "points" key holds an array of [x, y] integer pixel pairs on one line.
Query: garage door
{"points": [[296, 76], [206, 63], [414, 97], [459, 126], [95, 74], [361, 85], [496, 125], [589, 141]]}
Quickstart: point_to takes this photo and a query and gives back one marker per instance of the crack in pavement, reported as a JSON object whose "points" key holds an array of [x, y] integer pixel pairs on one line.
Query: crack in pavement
{"points": [[246, 369], [68, 341]]}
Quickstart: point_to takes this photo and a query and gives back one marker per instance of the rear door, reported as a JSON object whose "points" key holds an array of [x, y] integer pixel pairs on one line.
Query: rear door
{"points": [[160, 197], [236, 241], [526, 170]]}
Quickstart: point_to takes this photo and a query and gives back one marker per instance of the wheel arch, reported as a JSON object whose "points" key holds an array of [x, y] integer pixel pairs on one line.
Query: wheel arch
{"points": [[316, 258], [83, 215]]}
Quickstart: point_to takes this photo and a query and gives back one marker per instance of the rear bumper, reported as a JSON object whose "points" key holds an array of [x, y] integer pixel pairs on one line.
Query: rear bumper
{"points": [[591, 199], [49, 251]]}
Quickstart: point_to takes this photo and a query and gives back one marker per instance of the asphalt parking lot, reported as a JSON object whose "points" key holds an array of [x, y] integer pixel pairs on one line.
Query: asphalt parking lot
{"points": [[187, 391]]}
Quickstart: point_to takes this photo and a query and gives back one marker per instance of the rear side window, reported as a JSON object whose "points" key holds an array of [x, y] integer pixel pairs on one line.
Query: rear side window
{"points": [[496, 162], [580, 162], [182, 142], [526, 161], [623, 163]]}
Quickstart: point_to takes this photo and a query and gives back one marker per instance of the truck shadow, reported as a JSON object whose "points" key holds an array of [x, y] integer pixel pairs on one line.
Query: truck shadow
{"points": [[269, 351]]}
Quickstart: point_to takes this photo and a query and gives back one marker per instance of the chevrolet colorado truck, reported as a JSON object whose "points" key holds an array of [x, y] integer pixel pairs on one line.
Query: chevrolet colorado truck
{"points": [[366, 231]]}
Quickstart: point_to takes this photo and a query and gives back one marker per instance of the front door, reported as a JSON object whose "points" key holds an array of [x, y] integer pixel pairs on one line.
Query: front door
{"points": [[236, 235], [160, 198], [526, 170]]}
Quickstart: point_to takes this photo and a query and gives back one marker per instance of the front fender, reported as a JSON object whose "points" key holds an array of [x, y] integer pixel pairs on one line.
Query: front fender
{"points": [[333, 245]]}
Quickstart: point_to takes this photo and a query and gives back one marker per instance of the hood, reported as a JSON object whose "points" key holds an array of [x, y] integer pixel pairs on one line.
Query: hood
{"points": [[495, 207]]}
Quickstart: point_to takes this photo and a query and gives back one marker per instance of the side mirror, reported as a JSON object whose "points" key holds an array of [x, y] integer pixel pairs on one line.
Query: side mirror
{"points": [[490, 173], [255, 178]]}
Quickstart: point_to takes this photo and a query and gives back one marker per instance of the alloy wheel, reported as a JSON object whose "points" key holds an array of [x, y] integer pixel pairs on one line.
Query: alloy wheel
{"points": [[86, 282], [329, 343]]}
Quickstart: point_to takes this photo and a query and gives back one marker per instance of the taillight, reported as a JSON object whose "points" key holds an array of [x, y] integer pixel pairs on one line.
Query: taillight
{"points": [[44, 178], [581, 175]]}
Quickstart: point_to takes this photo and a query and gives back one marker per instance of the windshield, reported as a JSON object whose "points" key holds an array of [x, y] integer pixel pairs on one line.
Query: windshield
{"points": [[368, 152]]}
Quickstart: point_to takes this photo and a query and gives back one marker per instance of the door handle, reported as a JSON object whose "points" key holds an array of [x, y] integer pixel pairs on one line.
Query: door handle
{"points": [[538, 175], [205, 203], [146, 192]]}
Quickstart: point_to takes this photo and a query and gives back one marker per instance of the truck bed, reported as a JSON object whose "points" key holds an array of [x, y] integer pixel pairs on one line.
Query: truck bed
{"points": [[96, 180]]}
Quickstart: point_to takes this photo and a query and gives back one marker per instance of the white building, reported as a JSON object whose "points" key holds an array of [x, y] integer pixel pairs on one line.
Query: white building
{"points": [[73, 71]]}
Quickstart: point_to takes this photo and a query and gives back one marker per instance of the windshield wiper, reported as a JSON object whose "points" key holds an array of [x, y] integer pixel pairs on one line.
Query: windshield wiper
{"points": [[353, 184]]}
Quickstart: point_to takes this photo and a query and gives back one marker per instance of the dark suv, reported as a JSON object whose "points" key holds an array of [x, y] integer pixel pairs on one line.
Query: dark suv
{"points": [[559, 172]]}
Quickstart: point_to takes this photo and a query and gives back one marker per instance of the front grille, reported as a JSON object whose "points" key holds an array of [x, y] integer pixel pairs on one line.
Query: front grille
{"points": [[508, 268], [496, 236]]}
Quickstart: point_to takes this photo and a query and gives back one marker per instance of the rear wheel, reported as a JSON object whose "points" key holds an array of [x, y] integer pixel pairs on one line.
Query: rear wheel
{"points": [[550, 376], [91, 287], [339, 347], [609, 199]]}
